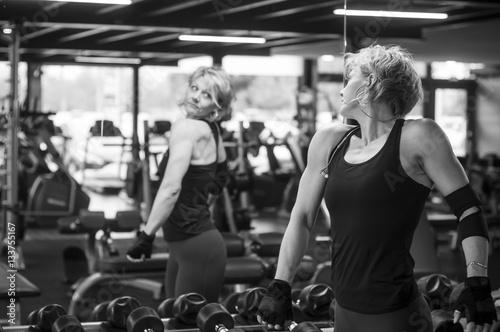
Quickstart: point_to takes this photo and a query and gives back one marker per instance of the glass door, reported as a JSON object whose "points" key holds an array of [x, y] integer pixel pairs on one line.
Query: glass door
{"points": [[451, 115]]}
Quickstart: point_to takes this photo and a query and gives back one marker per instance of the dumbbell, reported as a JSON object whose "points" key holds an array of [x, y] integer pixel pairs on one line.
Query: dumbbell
{"points": [[231, 302], [166, 307], [99, 313], [247, 304], [67, 323], [144, 319], [314, 301], [185, 309], [438, 288], [442, 321], [43, 318], [118, 311], [215, 318]]}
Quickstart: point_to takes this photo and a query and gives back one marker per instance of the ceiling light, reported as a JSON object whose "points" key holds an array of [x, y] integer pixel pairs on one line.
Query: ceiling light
{"points": [[108, 60], [7, 31], [384, 13], [222, 39], [109, 2]]}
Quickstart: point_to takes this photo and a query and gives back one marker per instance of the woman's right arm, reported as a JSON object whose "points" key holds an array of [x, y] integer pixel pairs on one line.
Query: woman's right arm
{"points": [[310, 194], [275, 309]]}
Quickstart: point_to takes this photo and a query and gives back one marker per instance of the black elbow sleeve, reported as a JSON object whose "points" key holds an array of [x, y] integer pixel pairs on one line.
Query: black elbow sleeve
{"points": [[462, 199], [473, 225]]}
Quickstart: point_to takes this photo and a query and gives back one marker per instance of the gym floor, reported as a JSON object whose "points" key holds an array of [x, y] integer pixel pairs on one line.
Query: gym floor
{"points": [[43, 248]]}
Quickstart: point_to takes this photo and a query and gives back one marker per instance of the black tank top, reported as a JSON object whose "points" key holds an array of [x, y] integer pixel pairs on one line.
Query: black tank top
{"points": [[375, 208], [191, 214]]}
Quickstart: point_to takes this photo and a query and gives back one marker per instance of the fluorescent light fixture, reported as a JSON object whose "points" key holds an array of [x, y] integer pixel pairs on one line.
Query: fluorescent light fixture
{"points": [[222, 39], [108, 60], [7, 31], [109, 2], [384, 13]]}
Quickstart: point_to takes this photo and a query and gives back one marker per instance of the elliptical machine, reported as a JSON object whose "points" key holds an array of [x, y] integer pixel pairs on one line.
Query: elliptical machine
{"points": [[54, 194]]}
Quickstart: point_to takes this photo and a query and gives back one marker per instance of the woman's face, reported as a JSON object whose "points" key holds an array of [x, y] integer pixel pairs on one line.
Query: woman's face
{"points": [[199, 102], [352, 92]]}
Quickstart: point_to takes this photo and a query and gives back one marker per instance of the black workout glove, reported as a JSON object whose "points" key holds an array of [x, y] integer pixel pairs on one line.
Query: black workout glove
{"points": [[276, 307], [475, 301], [142, 248]]}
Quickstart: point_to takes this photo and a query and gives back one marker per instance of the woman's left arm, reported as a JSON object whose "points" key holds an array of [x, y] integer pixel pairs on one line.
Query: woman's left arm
{"points": [[180, 150], [440, 164]]}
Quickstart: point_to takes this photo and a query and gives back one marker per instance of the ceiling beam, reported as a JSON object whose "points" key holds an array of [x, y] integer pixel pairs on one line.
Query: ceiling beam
{"points": [[464, 20], [41, 32], [83, 34], [174, 8], [462, 3], [241, 8], [298, 10], [89, 26], [125, 36]]}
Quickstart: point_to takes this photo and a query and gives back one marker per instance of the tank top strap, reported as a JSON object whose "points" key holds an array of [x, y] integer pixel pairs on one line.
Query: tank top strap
{"points": [[394, 138], [215, 131], [338, 149]]}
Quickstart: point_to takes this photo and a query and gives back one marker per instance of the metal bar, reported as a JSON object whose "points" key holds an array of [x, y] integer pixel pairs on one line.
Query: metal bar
{"points": [[12, 148]]}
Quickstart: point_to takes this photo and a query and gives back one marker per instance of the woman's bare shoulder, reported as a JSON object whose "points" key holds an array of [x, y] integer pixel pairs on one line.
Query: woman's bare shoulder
{"points": [[189, 127], [421, 131]]}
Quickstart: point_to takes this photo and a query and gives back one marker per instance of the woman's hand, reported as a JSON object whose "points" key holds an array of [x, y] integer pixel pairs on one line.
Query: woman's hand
{"points": [[476, 304], [275, 309], [141, 249]]}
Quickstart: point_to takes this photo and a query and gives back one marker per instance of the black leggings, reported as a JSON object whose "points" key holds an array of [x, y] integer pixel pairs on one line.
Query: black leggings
{"points": [[196, 265], [416, 317]]}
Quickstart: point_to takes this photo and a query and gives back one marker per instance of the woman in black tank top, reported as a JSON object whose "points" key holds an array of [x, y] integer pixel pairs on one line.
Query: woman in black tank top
{"points": [[375, 178], [196, 171]]}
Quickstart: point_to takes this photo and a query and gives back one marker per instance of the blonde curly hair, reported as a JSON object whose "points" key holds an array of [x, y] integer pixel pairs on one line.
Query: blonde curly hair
{"points": [[395, 81]]}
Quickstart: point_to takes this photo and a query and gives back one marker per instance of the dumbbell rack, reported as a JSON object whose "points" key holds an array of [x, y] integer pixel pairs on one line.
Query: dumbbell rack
{"points": [[10, 188], [98, 327]]}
